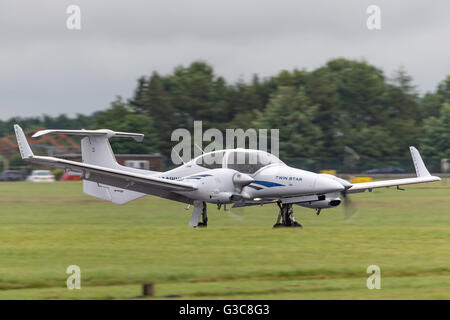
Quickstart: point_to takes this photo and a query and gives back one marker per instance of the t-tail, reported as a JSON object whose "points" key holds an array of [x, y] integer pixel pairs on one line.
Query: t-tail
{"points": [[95, 150]]}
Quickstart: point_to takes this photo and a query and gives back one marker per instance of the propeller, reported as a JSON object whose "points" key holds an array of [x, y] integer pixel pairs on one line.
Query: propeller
{"points": [[240, 180], [228, 194], [350, 209], [236, 212]]}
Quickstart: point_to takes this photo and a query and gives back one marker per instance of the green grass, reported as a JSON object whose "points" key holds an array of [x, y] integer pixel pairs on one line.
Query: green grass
{"points": [[44, 228]]}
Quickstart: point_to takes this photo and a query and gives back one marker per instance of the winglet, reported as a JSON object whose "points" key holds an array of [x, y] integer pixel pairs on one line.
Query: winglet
{"points": [[421, 170], [24, 147]]}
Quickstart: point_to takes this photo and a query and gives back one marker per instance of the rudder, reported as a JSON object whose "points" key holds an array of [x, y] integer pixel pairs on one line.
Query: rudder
{"points": [[97, 150]]}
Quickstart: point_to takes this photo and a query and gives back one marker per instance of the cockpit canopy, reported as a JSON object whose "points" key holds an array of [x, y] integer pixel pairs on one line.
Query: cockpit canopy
{"points": [[243, 160]]}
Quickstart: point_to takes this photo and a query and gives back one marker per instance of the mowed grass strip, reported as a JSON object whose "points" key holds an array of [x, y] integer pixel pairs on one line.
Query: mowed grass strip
{"points": [[44, 228], [413, 287]]}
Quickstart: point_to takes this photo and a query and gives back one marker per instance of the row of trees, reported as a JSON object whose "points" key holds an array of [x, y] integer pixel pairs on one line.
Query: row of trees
{"points": [[343, 105]]}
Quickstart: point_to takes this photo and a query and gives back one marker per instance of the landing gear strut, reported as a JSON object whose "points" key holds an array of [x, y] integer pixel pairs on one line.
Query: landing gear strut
{"points": [[286, 216], [199, 210], [204, 222]]}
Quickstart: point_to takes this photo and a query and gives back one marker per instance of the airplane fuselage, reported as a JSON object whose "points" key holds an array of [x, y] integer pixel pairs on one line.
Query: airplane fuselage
{"points": [[269, 182]]}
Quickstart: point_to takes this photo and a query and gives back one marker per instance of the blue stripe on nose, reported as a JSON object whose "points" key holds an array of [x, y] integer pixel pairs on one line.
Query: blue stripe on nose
{"points": [[268, 183]]}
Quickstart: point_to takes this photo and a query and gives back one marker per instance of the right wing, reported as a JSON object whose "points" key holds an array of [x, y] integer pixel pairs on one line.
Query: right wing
{"points": [[421, 171], [148, 184]]}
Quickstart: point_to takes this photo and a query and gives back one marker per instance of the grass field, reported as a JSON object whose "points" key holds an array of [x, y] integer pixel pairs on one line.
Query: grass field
{"points": [[44, 228]]}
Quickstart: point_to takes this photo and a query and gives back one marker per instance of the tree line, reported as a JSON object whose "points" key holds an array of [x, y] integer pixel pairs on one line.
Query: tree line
{"points": [[340, 106]]}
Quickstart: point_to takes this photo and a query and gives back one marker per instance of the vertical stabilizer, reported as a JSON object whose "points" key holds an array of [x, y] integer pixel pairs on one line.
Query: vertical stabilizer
{"points": [[24, 147], [421, 170], [97, 150]]}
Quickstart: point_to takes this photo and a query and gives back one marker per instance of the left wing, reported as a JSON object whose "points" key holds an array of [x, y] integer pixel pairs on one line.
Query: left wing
{"points": [[422, 176]]}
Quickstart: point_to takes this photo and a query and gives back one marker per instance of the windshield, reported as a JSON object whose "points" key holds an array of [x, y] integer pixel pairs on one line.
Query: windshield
{"points": [[250, 161], [211, 160]]}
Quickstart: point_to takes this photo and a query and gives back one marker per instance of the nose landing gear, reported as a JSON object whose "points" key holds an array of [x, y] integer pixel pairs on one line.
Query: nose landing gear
{"points": [[286, 216]]}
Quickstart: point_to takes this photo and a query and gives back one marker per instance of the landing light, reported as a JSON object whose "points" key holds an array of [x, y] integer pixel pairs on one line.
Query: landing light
{"points": [[257, 199]]}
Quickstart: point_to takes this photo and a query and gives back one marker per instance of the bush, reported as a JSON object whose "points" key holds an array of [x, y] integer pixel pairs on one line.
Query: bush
{"points": [[58, 173], [17, 161]]}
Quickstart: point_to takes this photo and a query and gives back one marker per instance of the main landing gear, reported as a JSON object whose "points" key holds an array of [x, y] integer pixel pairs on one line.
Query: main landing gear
{"points": [[204, 222], [286, 216], [199, 210]]}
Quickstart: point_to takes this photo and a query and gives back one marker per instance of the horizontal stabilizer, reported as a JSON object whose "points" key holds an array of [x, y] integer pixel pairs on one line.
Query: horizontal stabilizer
{"points": [[102, 132]]}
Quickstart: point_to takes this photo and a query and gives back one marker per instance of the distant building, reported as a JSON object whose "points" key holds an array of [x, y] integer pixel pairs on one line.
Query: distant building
{"points": [[153, 162]]}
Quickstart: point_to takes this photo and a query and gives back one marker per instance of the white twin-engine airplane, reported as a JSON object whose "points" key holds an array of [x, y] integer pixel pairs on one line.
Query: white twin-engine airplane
{"points": [[241, 177]]}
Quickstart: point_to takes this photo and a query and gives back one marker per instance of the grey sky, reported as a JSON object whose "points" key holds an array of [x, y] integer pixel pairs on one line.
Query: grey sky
{"points": [[45, 68]]}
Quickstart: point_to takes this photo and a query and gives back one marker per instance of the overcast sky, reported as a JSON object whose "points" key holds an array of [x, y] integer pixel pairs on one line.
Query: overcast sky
{"points": [[46, 68]]}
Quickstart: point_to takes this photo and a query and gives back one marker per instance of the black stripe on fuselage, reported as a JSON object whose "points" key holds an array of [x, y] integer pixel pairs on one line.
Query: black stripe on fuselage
{"points": [[255, 187]]}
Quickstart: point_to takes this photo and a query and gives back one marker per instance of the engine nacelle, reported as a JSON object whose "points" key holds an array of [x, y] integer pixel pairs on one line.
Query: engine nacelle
{"points": [[322, 204], [221, 197], [226, 197], [220, 185]]}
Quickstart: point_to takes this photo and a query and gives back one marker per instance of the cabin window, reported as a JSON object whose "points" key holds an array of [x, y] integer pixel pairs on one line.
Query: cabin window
{"points": [[211, 160], [249, 161]]}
